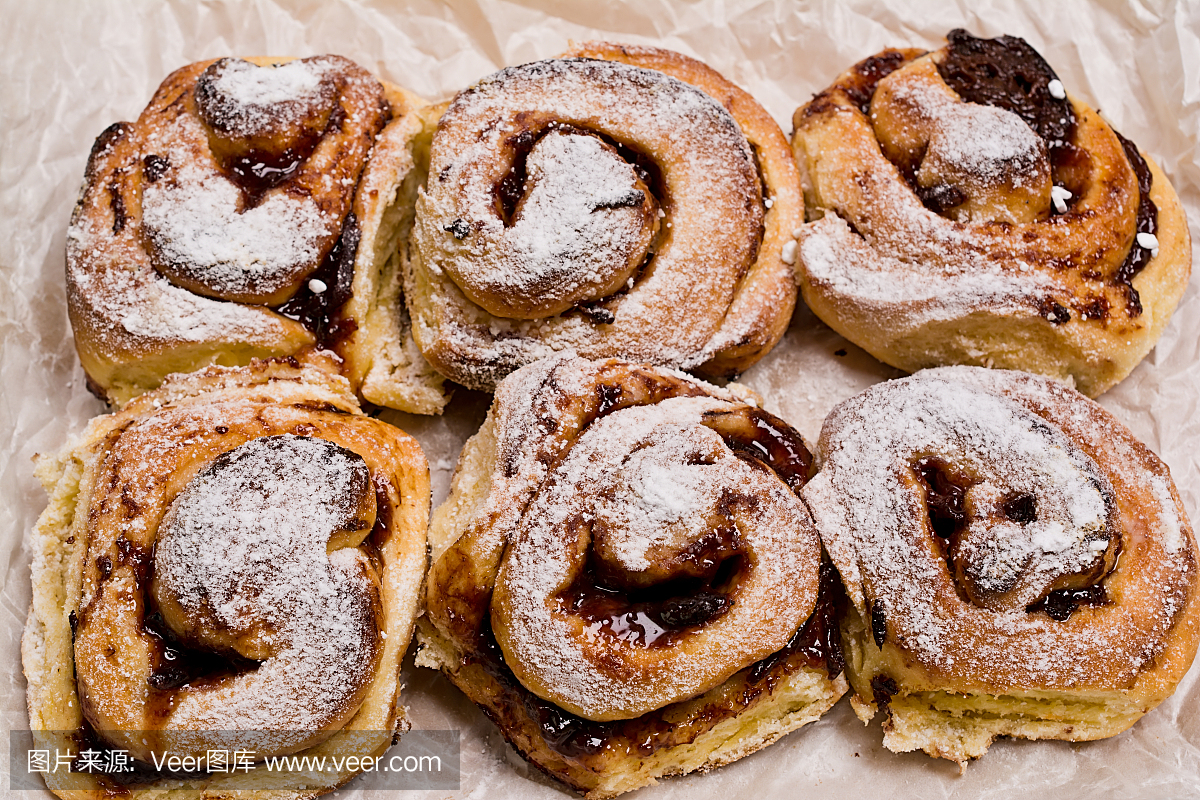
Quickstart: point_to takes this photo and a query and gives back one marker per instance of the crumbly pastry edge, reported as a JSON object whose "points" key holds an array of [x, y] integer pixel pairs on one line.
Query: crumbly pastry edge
{"points": [[961, 726], [803, 697], [382, 358], [58, 545]]}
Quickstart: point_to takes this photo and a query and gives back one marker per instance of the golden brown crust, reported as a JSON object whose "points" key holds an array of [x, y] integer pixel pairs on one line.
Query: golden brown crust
{"points": [[608, 699], [108, 493], [764, 300], [997, 278], [663, 256], [173, 246], [1058, 597]]}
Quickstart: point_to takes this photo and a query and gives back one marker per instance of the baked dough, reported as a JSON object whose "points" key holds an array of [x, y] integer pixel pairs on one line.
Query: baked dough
{"points": [[1017, 563], [231, 562], [624, 578], [229, 223], [621, 201], [960, 216], [381, 357]]}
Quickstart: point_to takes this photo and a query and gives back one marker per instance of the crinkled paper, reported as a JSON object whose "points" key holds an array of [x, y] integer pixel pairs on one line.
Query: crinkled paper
{"points": [[69, 69]]}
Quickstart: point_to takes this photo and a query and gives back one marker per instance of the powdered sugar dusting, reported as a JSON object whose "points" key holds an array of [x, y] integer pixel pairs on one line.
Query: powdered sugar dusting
{"points": [[843, 263], [655, 494], [1007, 450], [985, 142], [646, 482], [249, 85], [144, 304], [245, 545], [982, 144], [161, 229], [579, 223], [196, 218], [714, 207], [878, 245], [871, 515], [963, 268], [1172, 534]]}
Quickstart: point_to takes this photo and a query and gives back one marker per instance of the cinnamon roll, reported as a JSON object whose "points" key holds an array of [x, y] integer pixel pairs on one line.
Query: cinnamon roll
{"points": [[233, 221], [1017, 563], [624, 578], [619, 201], [232, 562], [968, 210]]}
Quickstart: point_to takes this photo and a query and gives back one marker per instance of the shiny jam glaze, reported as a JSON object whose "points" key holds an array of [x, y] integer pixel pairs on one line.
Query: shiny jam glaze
{"points": [[816, 645], [317, 310]]}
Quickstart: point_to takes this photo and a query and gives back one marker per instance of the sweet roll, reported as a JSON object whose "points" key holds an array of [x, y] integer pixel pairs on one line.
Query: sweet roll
{"points": [[624, 577], [619, 201], [227, 223], [968, 210], [1017, 563], [231, 562]]}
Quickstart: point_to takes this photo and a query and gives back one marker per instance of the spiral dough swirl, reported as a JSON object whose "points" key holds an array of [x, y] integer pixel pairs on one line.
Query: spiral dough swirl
{"points": [[966, 210], [246, 564], [581, 202], [201, 225], [634, 483], [1006, 534]]}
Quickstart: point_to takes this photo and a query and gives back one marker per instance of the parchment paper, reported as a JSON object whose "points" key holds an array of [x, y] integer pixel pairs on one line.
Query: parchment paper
{"points": [[69, 69]]}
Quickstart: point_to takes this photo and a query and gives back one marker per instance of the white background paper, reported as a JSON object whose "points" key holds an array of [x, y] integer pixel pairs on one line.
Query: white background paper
{"points": [[69, 69]]}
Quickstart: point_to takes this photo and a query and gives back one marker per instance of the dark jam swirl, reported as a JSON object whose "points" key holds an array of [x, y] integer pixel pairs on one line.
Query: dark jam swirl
{"points": [[867, 74], [1059, 605], [945, 503], [771, 441], [515, 709], [258, 172], [659, 615], [317, 310], [1007, 73], [709, 570], [945, 496], [512, 187], [1147, 222]]}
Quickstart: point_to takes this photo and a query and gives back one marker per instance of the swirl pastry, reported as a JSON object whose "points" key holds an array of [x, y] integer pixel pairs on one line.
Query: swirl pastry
{"points": [[968, 211], [624, 578], [620, 201], [231, 562], [1017, 563], [233, 220]]}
